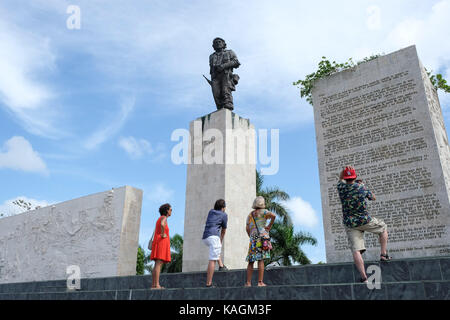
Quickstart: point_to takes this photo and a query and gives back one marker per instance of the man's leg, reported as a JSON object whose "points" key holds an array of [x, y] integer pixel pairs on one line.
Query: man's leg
{"points": [[359, 262], [210, 272], [220, 263], [383, 242]]}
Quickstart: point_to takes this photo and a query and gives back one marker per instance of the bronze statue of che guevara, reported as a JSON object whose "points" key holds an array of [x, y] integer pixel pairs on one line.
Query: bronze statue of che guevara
{"points": [[223, 81]]}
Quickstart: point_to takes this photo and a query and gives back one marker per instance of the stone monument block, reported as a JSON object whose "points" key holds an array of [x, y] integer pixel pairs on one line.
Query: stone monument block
{"points": [[383, 117], [222, 165], [99, 233]]}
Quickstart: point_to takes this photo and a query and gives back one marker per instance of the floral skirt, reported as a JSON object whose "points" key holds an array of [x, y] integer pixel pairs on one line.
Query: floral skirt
{"points": [[256, 253]]}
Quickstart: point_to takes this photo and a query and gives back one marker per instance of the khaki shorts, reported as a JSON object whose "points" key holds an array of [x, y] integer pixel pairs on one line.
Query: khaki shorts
{"points": [[356, 235]]}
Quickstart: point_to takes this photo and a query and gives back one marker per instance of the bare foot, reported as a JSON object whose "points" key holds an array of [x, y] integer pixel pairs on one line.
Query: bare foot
{"points": [[247, 284], [261, 284], [157, 287]]}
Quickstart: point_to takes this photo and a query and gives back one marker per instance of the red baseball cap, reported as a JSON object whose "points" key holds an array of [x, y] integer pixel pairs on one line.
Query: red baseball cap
{"points": [[349, 173]]}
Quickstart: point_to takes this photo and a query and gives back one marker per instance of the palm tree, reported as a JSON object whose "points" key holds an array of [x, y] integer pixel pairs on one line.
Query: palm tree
{"points": [[176, 244], [271, 196], [287, 245], [176, 255]]}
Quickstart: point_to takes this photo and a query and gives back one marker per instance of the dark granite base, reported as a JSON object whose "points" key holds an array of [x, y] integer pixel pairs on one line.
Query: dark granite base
{"points": [[418, 278]]}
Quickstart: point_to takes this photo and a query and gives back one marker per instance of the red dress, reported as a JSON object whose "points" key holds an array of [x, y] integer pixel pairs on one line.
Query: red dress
{"points": [[161, 246]]}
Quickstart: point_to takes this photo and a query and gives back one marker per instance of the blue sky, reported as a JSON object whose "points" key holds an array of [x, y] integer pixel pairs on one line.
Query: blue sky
{"points": [[84, 110]]}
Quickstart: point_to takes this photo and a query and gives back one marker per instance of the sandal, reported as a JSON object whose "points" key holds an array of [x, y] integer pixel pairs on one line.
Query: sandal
{"points": [[363, 280], [385, 257]]}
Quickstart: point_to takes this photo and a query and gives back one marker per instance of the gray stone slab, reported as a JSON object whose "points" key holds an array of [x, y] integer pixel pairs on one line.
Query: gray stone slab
{"points": [[405, 291], [237, 278], [293, 293], [445, 268], [340, 274], [172, 294], [123, 294], [437, 290], [146, 294], [208, 293], [253, 293], [289, 275], [362, 292], [425, 270], [318, 274], [336, 292], [395, 270], [232, 293], [95, 284], [111, 283]]}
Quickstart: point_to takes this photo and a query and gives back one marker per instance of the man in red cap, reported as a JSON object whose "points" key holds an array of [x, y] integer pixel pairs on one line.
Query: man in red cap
{"points": [[356, 219]]}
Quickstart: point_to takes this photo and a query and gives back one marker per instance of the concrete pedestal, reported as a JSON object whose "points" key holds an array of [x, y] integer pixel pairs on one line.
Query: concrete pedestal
{"points": [[221, 166]]}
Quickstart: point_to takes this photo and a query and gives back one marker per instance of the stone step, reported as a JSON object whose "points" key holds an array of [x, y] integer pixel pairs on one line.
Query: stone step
{"points": [[403, 270], [403, 290]]}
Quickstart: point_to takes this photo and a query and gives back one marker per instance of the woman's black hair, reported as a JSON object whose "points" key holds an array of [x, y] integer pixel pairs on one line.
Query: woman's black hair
{"points": [[164, 209], [219, 204]]}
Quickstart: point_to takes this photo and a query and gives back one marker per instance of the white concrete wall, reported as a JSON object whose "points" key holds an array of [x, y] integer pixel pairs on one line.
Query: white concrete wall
{"points": [[98, 232]]}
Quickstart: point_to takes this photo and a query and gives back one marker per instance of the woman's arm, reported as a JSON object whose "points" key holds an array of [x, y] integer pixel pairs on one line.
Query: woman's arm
{"points": [[247, 226], [272, 220], [163, 226]]}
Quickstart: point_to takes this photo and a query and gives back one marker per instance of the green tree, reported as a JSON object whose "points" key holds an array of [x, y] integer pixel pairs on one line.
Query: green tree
{"points": [[327, 68], [140, 266], [287, 245], [176, 255], [272, 196], [145, 264]]}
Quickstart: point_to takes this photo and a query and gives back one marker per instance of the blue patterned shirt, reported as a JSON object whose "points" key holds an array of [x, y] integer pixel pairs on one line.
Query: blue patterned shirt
{"points": [[354, 208]]}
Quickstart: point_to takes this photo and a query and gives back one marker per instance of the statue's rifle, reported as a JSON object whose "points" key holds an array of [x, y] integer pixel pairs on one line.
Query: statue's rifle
{"points": [[209, 81]]}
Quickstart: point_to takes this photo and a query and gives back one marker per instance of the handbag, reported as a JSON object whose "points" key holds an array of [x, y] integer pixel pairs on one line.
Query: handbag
{"points": [[262, 242]]}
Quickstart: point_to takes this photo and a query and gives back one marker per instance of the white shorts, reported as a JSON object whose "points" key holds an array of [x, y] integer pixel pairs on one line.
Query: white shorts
{"points": [[215, 247]]}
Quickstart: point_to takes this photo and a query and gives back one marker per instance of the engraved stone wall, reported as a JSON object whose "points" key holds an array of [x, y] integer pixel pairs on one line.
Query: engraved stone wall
{"points": [[99, 233], [384, 118]]}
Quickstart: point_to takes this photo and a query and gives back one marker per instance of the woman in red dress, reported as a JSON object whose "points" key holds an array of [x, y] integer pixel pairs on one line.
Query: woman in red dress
{"points": [[161, 244]]}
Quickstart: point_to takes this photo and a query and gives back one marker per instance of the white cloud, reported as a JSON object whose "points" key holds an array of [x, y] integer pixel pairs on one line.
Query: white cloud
{"points": [[24, 57], [18, 154], [303, 213], [374, 18], [7, 208], [159, 193], [114, 126], [138, 148], [135, 148], [426, 32]]}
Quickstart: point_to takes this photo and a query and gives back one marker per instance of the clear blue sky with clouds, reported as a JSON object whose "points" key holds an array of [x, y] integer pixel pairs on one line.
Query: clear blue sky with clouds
{"points": [[90, 109]]}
